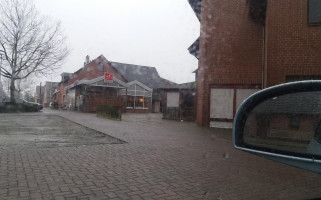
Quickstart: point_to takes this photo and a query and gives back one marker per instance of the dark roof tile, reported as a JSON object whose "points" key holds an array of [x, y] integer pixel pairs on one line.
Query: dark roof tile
{"points": [[146, 75]]}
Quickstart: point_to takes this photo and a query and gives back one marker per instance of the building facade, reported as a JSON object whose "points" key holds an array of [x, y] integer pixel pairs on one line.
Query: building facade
{"points": [[129, 86], [247, 45], [179, 101], [39, 94], [48, 92]]}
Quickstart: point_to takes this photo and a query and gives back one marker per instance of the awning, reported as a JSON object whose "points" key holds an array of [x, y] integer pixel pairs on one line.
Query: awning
{"points": [[99, 82]]}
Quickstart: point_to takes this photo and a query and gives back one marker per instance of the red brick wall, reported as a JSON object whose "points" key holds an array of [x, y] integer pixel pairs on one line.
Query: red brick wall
{"points": [[60, 94], [293, 46], [128, 110], [230, 50], [106, 96], [90, 71]]}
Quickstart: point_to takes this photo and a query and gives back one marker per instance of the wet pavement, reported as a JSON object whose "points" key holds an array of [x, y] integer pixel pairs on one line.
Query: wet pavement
{"points": [[160, 159], [47, 131]]}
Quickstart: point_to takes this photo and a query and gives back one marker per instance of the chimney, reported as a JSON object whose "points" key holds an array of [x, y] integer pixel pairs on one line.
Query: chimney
{"points": [[87, 59]]}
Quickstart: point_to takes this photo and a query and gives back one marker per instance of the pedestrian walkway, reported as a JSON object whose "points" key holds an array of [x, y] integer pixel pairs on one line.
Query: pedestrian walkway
{"points": [[161, 159]]}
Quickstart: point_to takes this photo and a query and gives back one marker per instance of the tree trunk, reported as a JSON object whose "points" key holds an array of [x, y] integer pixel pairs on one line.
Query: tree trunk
{"points": [[12, 90]]}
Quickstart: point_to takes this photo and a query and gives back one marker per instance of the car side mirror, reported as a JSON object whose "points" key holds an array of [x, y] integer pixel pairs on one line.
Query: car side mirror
{"points": [[282, 123]]}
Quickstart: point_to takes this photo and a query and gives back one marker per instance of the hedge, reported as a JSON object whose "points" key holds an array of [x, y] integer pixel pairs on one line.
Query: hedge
{"points": [[109, 111]]}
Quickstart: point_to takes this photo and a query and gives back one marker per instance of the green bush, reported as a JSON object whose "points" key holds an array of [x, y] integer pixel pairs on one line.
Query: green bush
{"points": [[109, 111]]}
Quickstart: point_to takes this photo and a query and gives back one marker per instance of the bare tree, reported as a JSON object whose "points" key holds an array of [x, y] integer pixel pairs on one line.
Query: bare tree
{"points": [[28, 96], [24, 85], [2, 93], [21, 85], [31, 44]]}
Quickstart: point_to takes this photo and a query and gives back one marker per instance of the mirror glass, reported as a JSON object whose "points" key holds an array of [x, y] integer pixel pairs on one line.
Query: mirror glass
{"points": [[289, 123]]}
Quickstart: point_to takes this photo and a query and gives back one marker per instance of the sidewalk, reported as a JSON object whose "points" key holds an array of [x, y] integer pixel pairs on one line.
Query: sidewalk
{"points": [[162, 159]]}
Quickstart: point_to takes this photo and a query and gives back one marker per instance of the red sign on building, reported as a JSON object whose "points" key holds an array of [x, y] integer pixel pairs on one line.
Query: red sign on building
{"points": [[109, 77]]}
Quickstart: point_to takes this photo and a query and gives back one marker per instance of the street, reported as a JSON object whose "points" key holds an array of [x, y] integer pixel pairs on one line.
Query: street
{"points": [[140, 157]]}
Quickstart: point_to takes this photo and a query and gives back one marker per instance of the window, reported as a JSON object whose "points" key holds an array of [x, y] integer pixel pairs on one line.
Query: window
{"points": [[138, 97], [314, 12], [138, 102], [101, 67]]}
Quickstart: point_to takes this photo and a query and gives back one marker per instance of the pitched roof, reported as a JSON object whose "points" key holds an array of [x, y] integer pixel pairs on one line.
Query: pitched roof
{"points": [[189, 85], [168, 82], [194, 48], [146, 75], [196, 5]]}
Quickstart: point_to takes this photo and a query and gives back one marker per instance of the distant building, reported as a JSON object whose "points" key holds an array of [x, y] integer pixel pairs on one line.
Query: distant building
{"points": [[179, 101], [48, 93], [39, 94], [131, 86], [60, 93]]}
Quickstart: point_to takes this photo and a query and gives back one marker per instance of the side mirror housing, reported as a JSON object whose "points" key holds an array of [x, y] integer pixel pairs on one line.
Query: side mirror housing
{"points": [[282, 123]]}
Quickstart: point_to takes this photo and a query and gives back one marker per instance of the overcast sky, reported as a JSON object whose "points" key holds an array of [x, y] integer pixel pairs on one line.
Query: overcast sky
{"points": [[144, 32]]}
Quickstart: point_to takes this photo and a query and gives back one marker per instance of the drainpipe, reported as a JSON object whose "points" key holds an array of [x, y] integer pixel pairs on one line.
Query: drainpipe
{"points": [[263, 56]]}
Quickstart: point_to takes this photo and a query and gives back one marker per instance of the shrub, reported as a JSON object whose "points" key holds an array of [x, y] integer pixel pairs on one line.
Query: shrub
{"points": [[109, 111]]}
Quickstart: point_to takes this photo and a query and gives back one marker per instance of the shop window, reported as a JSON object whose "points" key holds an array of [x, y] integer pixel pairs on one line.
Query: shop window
{"points": [[138, 102], [138, 97], [314, 12], [147, 103]]}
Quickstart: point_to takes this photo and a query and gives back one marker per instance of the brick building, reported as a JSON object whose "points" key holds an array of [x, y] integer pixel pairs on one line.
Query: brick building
{"points": [[179, 101], [60, 93], [133, 87], [247, 45]]}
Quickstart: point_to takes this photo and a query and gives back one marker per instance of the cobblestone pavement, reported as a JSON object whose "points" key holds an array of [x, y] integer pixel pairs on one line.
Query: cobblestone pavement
{"points": [[161, 160]]}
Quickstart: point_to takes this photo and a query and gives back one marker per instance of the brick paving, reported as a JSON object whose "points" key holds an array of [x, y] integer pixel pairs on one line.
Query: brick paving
{"points": [[161, 160]]}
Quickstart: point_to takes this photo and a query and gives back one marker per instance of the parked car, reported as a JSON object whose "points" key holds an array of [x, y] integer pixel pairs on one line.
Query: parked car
{"points": [[19, 105]]}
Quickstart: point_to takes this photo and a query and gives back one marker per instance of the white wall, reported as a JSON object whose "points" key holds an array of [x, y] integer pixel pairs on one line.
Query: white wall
{"points": [[222, 101], [221, 105], [242, 94], [172, 99]]}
